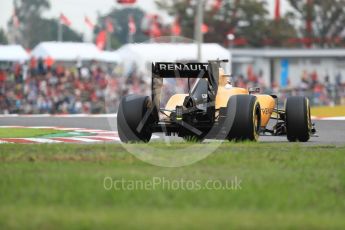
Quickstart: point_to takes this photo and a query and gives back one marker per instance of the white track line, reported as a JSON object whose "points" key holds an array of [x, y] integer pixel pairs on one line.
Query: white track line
{"points": [[40, 127], [83, 139], [69, 129], [106, 138], [107, 133], [42, 140]]}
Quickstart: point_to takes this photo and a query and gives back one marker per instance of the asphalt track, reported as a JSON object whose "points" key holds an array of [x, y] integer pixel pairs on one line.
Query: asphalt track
{"points": [[329, 132]]}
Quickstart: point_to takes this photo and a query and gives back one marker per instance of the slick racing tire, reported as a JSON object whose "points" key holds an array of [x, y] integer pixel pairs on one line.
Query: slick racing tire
{"points": [[243, 118], [298, 121], [133, 121]]}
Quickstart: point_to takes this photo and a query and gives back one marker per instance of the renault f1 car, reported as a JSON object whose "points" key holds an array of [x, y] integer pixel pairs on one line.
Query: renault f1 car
{"points": [[212, 109]]}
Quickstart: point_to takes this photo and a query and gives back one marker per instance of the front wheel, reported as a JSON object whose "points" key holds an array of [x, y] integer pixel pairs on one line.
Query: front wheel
{"points": [[243, 118], [298, 120], [134, 119]]}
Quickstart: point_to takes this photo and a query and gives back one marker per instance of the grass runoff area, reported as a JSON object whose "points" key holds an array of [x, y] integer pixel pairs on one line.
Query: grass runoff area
{"points": [[279, 186], [336, 111], [27, 132]]}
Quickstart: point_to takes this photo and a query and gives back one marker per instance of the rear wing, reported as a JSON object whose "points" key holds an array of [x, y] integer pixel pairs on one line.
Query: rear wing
{"points": [[180, 70], [161, 70]]}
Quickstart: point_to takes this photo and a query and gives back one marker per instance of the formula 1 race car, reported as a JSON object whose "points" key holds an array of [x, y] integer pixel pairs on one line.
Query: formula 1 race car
{"points": [[212, 109]]}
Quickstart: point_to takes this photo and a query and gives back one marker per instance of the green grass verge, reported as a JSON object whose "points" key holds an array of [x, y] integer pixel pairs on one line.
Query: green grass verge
{"points": [[61, 186], [27, 132], [336, 111]]}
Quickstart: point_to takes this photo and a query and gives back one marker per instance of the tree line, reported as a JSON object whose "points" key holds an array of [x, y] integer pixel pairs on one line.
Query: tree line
{"points": [[310, 23]]}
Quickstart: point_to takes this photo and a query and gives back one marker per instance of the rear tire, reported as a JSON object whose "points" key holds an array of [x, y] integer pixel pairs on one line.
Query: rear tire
{"points": [[298, 121], [131, 113], [243, 118]]}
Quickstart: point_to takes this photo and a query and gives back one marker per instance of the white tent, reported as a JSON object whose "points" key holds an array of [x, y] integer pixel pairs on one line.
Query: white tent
{"points": [[66, 51], [109, 57], [13, 53], [142, 55]]}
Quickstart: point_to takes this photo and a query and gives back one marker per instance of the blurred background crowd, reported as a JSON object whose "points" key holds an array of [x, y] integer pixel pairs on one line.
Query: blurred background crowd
{"points": [[320, 93], [60, 89], [95, 88], [37, 89]]}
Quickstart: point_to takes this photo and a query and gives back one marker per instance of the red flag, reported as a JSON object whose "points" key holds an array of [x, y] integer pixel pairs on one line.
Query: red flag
{"points": [[155, 30], [109, 25], [240, 41], [89, 23], [204, 28], [101, 39], [49, 61], [309, 19], [217, 4], [309, 22], [176, 28], [64, 20], [147, 23], [131, 25], [277, 10], [15, 19]]}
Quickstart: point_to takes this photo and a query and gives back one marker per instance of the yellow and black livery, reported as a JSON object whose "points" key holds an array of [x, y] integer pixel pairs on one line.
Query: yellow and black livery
{"points": [[212, 109]]}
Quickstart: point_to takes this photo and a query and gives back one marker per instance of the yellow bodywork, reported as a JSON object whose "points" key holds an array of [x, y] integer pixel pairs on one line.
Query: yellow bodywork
{"points": [[175, 100], [267, 105], [225, 91]]}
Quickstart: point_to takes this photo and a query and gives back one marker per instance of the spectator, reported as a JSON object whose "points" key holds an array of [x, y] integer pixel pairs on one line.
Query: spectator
{"points": [[59, 88]]}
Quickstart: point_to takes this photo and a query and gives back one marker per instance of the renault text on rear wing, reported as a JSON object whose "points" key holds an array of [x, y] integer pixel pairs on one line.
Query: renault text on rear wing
{"points": [[180, 70]]}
